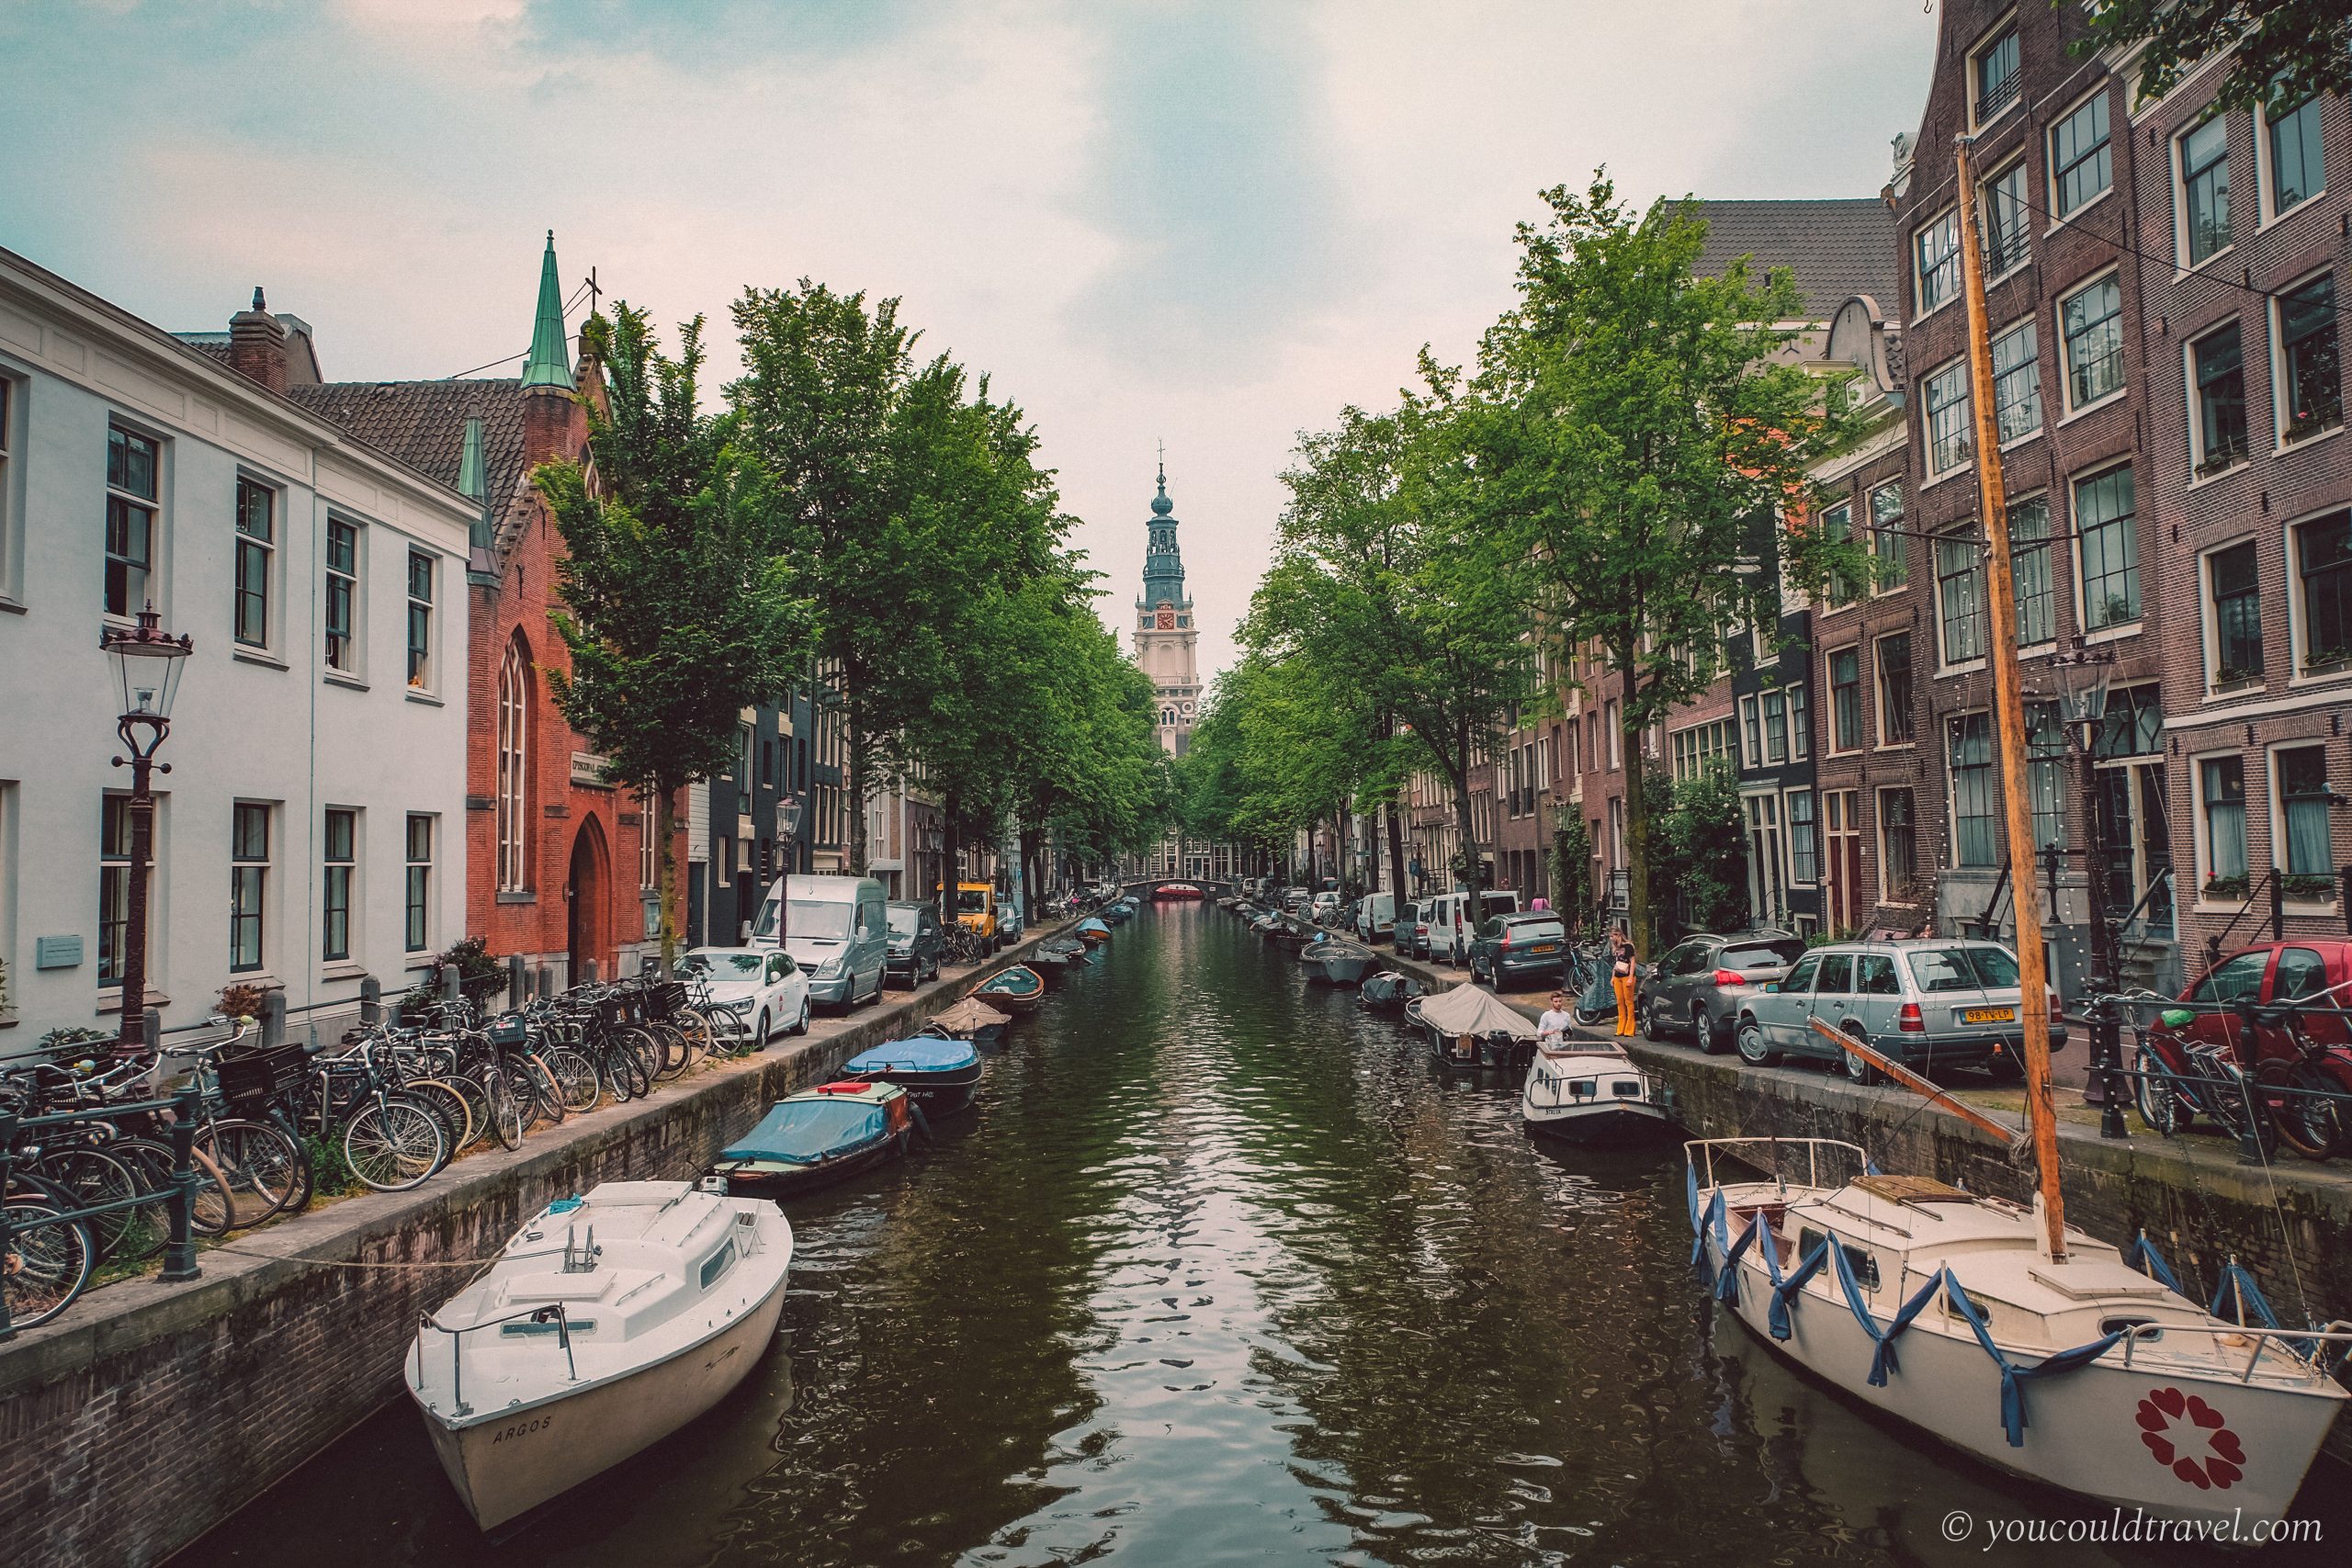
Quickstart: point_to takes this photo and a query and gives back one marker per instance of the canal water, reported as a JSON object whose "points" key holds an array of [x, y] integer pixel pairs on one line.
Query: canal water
{"points": [[1221, 1270]]}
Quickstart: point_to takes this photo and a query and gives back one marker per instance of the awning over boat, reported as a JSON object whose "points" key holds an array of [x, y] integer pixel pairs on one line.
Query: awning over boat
{"points": [[1474, 1009], [802, 1131], [924, 1053], [971, 1014]]}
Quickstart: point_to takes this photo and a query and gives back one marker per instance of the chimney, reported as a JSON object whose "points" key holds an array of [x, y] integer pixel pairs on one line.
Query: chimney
{"points": [[257, 345]]}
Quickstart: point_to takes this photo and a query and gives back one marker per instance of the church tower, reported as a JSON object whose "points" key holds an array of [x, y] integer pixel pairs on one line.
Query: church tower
{"points": [[1165, 634]]}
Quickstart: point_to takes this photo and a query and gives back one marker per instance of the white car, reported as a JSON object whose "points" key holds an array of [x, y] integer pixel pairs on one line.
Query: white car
{"points": [[761, 986]]}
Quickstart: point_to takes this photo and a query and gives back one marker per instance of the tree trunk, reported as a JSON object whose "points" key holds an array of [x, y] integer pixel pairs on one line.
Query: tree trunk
{"points": [[950, 856], [665, 820], [1396, 861], [1465, 823], [855, 734], [1637, 818]]}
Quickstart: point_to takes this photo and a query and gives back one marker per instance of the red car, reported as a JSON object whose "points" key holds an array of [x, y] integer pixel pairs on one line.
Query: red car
{"points": [[2315, 974]]}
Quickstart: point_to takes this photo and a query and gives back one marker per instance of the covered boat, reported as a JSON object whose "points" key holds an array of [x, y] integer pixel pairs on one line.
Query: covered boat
{"points": [[810, 1139], [1389, 991], [1469, 1026], [971, 1019], [1176, 890], [606, 1323], [1017, 991], [941, 1075], [1092, 930], [1588, 1092]]}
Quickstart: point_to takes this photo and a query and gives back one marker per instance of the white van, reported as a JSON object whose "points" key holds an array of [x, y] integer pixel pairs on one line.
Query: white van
{"points": [[1376, 915], [838, 931], [1453, 922]]}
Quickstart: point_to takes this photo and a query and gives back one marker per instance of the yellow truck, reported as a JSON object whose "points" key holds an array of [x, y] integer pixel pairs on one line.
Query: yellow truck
{"points": [[976, 909]]}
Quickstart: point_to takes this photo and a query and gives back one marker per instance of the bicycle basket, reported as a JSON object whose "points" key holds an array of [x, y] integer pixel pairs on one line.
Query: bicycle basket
{"points": [[257, 1076], [509, 1031], [662, 1001]]}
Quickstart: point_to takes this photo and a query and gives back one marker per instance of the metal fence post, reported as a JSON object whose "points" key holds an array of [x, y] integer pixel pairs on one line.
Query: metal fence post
{"points": [[450, 987], [588, 971], [150, 1030], [519, 981], [273, 1020], [371, 1000], [179, 1253]]}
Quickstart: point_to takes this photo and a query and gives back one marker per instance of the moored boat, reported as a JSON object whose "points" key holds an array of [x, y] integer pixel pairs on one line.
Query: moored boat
{"points": [[818, 1137], [1092, 931], [1337, 960], [1389, 991], [1469, 1027], [940, 1075], [1017, 991], [1176, 890], [1590, 1092], [607, 1322]]}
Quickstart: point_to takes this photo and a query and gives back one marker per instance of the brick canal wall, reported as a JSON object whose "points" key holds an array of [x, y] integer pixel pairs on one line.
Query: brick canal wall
{"points": [[150, 1412]]}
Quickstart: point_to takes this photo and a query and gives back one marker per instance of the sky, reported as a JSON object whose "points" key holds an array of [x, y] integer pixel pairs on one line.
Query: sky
{"points": [[1211, 223]]}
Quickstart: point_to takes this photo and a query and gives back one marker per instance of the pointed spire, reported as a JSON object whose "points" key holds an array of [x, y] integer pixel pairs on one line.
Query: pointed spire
{"points": [[551, 361], [469, 476]]}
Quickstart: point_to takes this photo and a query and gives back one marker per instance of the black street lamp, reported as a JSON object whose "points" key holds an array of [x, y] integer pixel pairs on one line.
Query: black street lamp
{"points": [[788, 833], [2083, 678], [147, 665]]}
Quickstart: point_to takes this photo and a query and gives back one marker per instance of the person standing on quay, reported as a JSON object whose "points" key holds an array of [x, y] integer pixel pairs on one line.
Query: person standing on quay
{"points": [[1620, 980]]}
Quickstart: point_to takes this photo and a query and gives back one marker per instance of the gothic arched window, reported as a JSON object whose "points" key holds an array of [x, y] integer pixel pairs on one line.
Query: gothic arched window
{"points": [[513, 858]]}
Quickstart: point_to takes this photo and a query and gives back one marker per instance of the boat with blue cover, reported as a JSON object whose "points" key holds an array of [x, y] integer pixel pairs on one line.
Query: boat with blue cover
{"points": [[1018, 990], [810, 1139], [941, 1075], [1092, 930]]}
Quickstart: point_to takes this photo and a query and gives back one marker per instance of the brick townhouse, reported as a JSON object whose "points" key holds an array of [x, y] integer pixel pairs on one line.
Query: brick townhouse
{"points": [[2246, 480], [2055, 162]]}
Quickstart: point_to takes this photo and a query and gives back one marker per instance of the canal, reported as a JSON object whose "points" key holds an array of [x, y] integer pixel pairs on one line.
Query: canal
{"points": [[1220, 1269]]}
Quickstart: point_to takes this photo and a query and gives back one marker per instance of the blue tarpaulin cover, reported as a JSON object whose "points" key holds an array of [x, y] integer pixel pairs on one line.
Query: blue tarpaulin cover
{"points": [[1092, 924], [927, 1054], [803, 1132]]}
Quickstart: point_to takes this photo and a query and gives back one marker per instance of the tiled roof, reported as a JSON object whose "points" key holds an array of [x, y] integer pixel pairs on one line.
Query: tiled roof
{"points": [[1836, 248], [423, 424]]}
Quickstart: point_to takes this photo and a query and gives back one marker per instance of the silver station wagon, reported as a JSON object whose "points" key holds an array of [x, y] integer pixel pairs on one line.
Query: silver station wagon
{"points": [[1926, 1003]]}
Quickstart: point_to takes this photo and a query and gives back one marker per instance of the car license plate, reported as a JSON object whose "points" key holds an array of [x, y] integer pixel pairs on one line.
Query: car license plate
{"points": [[1545, 947], [1989, 1015]]}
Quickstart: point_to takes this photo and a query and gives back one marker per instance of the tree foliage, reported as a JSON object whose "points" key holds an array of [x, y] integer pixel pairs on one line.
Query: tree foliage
{"points": [[1698, 865], [2285, 51]]}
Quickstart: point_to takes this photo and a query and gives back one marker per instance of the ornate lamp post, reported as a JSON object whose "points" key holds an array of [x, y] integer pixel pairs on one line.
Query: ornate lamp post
{"points": [[2083, 676], [788, 832], [147, 665]]}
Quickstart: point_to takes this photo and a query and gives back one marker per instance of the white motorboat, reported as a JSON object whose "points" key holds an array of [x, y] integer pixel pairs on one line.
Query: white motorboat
{"points": [[2082, 1373], [1588, 1092], [608, 1322]]}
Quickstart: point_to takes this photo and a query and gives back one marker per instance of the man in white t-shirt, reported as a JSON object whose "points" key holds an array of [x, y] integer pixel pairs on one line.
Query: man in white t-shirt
{"points": [[1551, 1028]]}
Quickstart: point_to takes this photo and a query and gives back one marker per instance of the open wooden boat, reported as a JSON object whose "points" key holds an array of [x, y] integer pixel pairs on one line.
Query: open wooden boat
{"points": [[810, 1140], [1587, 1091], [940, 1075], [607, 1322], [1337, 958], [971, 1019], [1017, 991]]}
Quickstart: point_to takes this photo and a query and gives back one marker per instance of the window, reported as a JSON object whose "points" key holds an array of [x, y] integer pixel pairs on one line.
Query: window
{"points": [[2079, 168], [248, 884], [133, 464], [1935, 259], [2235, 980], [1837, 526], [1898, 843], [1894, 689], [1751, 732], [342, 596], [514, 825], [2291, 138], [2030, 571], [2205, 191], [743, 736], [2045, 774], [341, 863], [256, 544], [2302, 810], [1776, 727], [1700, 748], [1959, 598], [2017, 383], [1800, 724], [1846, 699], [7, 407], [2217, 367], [1975, 815], [2092, 322], [2323, 579], [1616, 734], [1886, 537], [2007, 221], [2221, 789], [2131, 724], [1993, 73], [1949, 436], [2310, 377], [1804, 844], [114, 887], [417, 895], [2237, 603], [420, 621], [2108, 535]]}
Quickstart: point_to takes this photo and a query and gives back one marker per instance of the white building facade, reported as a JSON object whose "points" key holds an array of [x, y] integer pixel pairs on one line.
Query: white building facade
{"points": [[311, 830]]}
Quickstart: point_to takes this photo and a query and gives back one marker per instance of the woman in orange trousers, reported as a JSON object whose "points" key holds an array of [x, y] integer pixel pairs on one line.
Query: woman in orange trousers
{"points": [[1620, 980]]}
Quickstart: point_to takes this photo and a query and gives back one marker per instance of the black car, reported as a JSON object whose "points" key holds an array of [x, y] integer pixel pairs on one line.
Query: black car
{"points": [[918, 946], [1528, 946]]}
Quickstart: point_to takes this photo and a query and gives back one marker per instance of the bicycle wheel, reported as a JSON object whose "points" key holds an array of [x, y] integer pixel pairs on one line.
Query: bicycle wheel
{"points": [[544, 1093], [509, 1119], [694, 1025], [675, 1057], [446, 1102], [265, 1170], [214, 1211], [627, 1067], [575, 1078], [2297, 1102], [89, 1177], [46, 1263], [476, 1103], [646, 1050], [392, 1144]]}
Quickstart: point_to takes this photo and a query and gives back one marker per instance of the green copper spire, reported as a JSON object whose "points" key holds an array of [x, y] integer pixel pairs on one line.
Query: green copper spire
{"points": [[551, 361], [470, 480]]}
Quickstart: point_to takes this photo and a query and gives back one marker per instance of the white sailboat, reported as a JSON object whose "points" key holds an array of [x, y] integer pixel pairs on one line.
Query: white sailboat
{"points": [[608, 1323]]}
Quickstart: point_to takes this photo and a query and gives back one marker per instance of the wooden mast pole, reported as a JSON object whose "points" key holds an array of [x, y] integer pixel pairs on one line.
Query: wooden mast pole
{"points": [[2008, 708]]}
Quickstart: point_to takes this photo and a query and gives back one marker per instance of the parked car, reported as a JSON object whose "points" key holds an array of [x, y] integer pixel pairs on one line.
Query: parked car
{"points": [[1295, 900], [1455, 919], [2270, 976], [1702, 983], [918, 946], [1413, 931], [1325, 909], [1521, 949], [1376, 917], [976, 909], [1010, 928], [762, 986], [1927, 1003], [835, 929]]}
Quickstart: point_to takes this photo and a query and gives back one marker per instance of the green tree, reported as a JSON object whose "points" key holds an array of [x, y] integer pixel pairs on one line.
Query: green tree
{"points": [[1633, 433], [1699, 851], [678, 609], [2284, 50]]}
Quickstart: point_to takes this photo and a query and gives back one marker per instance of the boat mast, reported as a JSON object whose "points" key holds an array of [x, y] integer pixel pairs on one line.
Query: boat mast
{"points": [[2008, 708]]}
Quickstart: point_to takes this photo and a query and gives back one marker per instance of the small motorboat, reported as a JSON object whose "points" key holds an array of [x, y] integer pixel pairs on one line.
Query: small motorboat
{"points": [[1389, 991], [607, 1322], [1588, 1092], [1176, 890], [1337, 958], [941, 1075], [809, 1140], [1117, 913], [1092, 931], [1017, 991], [1469, 1027], [1066, 949]]}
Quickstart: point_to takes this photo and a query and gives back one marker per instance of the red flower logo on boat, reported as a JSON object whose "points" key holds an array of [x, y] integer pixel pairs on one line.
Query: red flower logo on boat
{"points": [[2189, 1439]]}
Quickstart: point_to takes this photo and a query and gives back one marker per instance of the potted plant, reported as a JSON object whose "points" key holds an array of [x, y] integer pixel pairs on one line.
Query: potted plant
{"points": [[240, 1002], [2310, 887], [2225, 887]]}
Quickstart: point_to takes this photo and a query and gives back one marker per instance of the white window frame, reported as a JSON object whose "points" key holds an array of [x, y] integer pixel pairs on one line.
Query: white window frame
{"points": [[2004, 27], [2114, 274], [2298, 622], [1945, 663], [1861, 701], [1890, 544], [1751, 730], [2050, 155], [426, 682], [2280, 394], [2208, 621], [410, 864], [1929, 445], [1887, 891], [1878, 688], [1951, 787], [511, 763], [352, 670], [2047, 548], [2179, 169], [12, 511], [159, 509], [266, 863], [2074, 483], [2278, 821], [1788, 834], [354, 896], [272, 588], [2024, 228], [1948, 217], [2030, 365], [2193, 396], [1840, 515], [2265, 174], [2201, 866]]}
